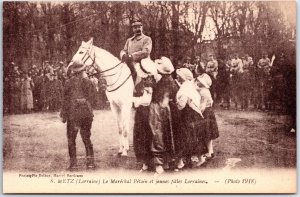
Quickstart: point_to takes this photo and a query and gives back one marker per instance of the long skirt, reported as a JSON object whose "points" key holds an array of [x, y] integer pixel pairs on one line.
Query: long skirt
{"points": [[142, 135], [178, 131], [193, 136], [26, 100], [209, 127]]}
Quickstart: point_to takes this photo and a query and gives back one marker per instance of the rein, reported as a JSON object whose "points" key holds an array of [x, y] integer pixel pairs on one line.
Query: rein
{"points": [[120, 84], [101, 72]]}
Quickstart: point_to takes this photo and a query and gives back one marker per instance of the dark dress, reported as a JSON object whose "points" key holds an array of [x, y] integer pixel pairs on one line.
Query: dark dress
{"points": [[142, 135], [161, 122], [177, 124], [209, 125], [193, 137]]}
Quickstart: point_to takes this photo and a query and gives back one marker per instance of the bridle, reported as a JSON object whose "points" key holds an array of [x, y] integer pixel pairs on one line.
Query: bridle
{"points": [[88, 56]]}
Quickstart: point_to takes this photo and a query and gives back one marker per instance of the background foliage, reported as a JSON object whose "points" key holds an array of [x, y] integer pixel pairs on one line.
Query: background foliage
{"points": [[37, 31]]}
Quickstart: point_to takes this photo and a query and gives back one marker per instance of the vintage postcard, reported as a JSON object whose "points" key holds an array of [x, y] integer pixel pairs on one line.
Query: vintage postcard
{"points": [[149, 97]]}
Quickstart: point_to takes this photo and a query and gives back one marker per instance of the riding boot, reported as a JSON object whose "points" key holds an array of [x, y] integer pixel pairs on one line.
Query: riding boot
{"points": [[90, 157], [73, 159], [132, 70]]}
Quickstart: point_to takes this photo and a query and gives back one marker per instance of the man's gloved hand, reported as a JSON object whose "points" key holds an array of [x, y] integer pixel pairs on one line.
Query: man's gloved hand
{"points": [[127, 58]]}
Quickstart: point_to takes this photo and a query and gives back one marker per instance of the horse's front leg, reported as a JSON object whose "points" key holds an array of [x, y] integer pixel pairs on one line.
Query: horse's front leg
{"points": [[117, 112], [126, 118]]}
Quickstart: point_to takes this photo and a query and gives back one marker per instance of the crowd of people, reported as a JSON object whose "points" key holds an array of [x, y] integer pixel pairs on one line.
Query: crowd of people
{"points": [[242, 82], [40, 88]]}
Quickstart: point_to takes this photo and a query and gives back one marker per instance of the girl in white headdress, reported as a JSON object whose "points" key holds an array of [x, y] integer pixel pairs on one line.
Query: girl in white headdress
{"points": [[208, 124], [188, 100]]}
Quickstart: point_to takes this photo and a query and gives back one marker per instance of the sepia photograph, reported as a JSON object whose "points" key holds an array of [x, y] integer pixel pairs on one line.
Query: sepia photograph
{"points": [[131, 97]]}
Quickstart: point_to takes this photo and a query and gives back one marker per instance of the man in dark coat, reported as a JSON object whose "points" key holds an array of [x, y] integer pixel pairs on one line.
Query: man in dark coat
{"points": [[77, 111]]}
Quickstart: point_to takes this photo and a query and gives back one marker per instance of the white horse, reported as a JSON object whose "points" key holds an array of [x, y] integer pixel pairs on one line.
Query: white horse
{"points": [[119, 88]]}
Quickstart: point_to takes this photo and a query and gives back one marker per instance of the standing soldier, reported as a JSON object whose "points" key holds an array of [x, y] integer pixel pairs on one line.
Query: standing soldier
{"points": [[246, 81], [136, 48], [236, 70], [212, 71], [223, 86], [264, 67], [78, 113], [198, 63]]}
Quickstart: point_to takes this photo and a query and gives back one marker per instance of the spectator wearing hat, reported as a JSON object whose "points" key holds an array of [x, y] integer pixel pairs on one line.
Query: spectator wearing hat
{"points": [[209, 125], [26, 94], [56, 93], [142, 133], [188, 100], [78, 113], [136, 48], [263, 69], [247, 81], [48, 88], [161, 116], [236, 69]]}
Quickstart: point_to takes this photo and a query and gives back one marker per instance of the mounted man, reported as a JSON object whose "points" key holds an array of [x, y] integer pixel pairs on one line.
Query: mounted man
{"points": [[136, 48]]}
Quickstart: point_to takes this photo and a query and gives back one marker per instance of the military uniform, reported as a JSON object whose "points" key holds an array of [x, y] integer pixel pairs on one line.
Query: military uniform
{"points": [[79, 94], [223, 86], [139, 47], [264, 67], [236, 71], [247, 82]]}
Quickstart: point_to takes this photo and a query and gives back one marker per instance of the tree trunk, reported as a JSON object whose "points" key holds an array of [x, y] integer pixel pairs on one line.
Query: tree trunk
{"points": [[175, 31]]}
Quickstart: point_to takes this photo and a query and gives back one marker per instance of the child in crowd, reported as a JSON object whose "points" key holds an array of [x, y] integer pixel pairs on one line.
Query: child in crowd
{"points": [[160, 124], [208, 124]]}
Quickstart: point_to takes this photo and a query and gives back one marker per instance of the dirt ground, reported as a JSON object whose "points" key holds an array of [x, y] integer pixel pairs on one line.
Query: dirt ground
{"points": [[37, 142]]}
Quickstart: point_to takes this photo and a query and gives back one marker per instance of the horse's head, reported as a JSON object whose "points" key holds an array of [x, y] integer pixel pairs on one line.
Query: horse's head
{"points": [[84, 54]]}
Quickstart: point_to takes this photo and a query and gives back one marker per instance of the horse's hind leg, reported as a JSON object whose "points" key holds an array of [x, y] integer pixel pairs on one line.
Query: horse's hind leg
{"points": [[116, 110]]}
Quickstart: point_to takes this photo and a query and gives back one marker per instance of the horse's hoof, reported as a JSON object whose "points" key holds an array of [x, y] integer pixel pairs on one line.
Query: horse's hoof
{"points": [[124, 153]]}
